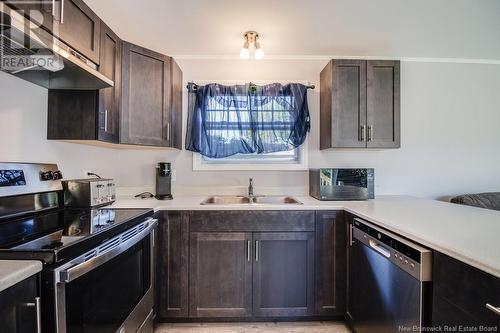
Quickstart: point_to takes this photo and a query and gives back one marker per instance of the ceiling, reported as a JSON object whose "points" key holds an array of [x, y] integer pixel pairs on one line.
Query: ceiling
{"points": [[462, 29]]}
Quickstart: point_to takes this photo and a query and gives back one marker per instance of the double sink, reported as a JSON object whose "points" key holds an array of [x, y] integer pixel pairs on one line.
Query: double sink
{"points": [[250, 200]]}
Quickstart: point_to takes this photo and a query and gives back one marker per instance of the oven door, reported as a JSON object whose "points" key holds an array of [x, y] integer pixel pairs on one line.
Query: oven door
{"points": [[108, 289]]}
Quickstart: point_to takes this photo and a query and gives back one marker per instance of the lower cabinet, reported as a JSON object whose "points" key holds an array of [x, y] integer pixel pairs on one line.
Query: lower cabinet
{"points": [[330, 263], [283, 270], [464, 295], [250, 264], [221, 274], [172, 265], [18, 307]]}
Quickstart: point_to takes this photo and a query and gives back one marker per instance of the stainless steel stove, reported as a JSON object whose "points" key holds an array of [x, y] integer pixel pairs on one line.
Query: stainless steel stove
{"points": [[90, 256]]}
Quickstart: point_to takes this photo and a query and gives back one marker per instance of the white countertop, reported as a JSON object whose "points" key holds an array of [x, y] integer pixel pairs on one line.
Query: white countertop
{"points": [[466, 233], [14, 271]]}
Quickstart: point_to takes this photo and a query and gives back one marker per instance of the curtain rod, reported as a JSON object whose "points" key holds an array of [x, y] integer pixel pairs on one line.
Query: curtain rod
{"points": [[194, 86]]}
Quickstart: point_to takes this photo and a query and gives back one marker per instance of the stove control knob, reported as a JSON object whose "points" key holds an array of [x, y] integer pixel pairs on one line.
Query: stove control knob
{"points": [[46, 175], [56, 175]]}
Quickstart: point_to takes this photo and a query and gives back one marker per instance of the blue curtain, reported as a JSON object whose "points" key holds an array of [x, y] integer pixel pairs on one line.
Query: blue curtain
{"points": [[246, 119]]}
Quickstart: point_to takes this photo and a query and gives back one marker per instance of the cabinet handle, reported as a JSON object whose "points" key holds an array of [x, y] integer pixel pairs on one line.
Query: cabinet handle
{"points": [[370, 133], [257, 250], [105, 120], [168, 132], [362, 132], [351, 240], [38, 310], [62, 11], [492, 308], [249, 250]]}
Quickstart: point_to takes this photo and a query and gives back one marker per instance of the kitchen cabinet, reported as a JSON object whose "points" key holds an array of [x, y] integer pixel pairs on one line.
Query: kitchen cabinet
{"points": [[221, 274], [330, 263], [146, 116], [41, 12], [360, 104], [90, 114], [19, 307], [251, 264], [173, 265], [144, 107], [109, 98], [283, 271], [461, 295], [78, 26]]}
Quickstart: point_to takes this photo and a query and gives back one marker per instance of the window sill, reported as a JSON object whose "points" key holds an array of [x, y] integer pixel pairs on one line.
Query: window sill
{"points": [[302, 165]]}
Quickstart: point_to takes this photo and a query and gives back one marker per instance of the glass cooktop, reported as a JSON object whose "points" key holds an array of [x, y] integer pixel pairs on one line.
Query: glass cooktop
{"points": [[59, 229]]}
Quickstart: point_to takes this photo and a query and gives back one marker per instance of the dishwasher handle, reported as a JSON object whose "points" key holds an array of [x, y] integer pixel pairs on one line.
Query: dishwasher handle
{"points": [[379, 248]]}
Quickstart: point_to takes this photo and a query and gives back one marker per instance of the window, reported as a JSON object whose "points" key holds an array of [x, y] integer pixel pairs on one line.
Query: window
{"points": [[248, 127]]}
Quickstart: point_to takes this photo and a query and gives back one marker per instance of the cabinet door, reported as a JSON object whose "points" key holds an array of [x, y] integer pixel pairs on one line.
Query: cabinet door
{"points": [[343, 104], [220, 274], [383, 104], [283, 270], [173, 265], [176, 107], [330, 263], [39, 12], [462, 293], [109, 98], [146, 90], [19, 308], [79, 27]]}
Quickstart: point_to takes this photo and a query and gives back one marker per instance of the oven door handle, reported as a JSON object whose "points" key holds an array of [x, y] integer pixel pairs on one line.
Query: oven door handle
{"points": [[81, 268]]}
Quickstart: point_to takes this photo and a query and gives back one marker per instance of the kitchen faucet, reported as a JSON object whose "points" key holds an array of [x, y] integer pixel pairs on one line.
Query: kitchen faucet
{"points": [[250, 187]]}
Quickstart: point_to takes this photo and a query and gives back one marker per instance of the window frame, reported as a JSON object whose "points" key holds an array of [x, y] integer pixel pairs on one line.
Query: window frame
{"points": [[200, 164]]}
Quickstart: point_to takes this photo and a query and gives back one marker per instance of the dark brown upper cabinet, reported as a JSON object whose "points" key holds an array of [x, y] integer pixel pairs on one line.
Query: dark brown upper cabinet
{"points": [[41, 12], [109, 98], [78, 26], [151, 106], [360, 104], [90, 114]]}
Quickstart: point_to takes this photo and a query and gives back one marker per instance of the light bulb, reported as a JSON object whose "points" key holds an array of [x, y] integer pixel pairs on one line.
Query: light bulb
{"points": [[259, 53], [245, 53]]}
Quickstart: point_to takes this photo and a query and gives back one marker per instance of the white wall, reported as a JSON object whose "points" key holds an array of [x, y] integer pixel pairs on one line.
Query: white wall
{"points": [[450, 132]]}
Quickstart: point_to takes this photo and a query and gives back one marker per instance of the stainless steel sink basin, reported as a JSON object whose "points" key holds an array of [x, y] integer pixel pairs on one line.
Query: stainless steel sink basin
{"points": [[250, 200], [226, 200], [277, 200]]}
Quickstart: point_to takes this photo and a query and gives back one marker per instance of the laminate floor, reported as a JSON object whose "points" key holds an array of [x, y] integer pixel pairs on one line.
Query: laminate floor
{"points": [[293, 327]]}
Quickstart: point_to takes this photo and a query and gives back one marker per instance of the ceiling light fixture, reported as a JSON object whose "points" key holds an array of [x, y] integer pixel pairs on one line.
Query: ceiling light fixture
{"points": [[251, 44]]}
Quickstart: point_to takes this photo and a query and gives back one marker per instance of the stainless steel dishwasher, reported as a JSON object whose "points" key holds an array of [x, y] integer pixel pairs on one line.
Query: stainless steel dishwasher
{"points": [[389, 281]]}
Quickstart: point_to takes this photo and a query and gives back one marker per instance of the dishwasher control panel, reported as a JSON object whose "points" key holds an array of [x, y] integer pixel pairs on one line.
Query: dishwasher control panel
{"points": [[413, 258]]}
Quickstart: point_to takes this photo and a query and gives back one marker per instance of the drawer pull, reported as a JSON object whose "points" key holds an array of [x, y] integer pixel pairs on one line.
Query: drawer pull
{"points": [[492, 308]]}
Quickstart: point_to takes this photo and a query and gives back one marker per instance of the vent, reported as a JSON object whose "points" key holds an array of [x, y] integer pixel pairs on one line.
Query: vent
{"points": [[115, 241]]}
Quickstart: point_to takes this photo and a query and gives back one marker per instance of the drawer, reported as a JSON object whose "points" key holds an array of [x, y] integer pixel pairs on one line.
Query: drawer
{"points": [[249, 221], [466, 288]]}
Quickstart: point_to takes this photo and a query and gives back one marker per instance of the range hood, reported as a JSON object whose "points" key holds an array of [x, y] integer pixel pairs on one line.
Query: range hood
{"points": [[37, 56]]}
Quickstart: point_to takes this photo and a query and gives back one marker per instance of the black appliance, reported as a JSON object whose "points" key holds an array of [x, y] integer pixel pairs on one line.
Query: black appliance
{"points": [[163, 181], [89, 256], [389, 281], [342, 184]]}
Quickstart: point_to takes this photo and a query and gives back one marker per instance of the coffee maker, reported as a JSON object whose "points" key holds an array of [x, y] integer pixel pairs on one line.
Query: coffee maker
{"points": [[163, 181]]}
